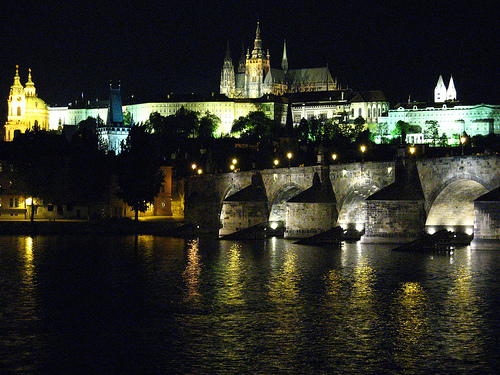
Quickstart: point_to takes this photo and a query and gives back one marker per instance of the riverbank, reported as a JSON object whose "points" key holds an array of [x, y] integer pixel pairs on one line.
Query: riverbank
{"points": [[158, 226]]}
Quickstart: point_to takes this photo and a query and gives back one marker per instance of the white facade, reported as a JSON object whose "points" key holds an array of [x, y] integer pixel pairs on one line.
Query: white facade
{"points": [[481, 119]]}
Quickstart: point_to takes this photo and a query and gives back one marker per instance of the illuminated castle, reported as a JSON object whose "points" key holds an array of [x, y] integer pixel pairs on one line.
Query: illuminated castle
{"points": [[25, 109], [255, 77]]}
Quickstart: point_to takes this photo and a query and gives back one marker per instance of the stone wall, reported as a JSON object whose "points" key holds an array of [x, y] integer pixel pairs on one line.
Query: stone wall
{"points": [[304, 219], [393, 221], [237, 216]]}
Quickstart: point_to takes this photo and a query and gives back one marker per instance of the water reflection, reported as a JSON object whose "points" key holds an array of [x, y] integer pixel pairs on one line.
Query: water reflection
{"points": [[465, 318], [193, 271], [155, 305], [412, 327]]}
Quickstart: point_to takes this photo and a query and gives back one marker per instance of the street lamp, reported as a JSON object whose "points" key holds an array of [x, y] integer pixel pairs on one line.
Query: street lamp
{"points": [[200, 171], [412, 150], [363, 149], [276, 162], [233, 165], [289, 156], [334, 157], [463, 138]]}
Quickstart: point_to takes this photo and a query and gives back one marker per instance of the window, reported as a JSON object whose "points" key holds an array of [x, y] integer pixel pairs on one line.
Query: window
{"points": [[360, 113], [11, 202], [16, 202], [19, 111], [50, 207]]}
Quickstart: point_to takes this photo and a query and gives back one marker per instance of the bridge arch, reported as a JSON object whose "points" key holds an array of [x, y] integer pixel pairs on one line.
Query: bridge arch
{"points": [[277, 204], [452, 204], [352, 206]]}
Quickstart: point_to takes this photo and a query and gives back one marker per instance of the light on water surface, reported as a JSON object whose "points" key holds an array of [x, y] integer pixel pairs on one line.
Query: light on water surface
{"points": [[201, 306]]}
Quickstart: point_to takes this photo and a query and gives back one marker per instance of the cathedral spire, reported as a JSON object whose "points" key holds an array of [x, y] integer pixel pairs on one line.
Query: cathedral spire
{"points": [[284, 61], [257, 45], [228, 53]]}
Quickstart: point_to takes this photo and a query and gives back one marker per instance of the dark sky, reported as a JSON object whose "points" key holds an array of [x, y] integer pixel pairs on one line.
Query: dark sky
{"points": [[179, 46]]}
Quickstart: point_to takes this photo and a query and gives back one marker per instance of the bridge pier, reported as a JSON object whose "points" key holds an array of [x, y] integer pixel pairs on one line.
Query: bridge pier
{"points": [[487, 221], [313, 211], [396, 213]]}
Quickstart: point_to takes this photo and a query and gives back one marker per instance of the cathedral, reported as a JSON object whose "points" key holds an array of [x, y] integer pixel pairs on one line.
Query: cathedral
{"points": [[25, 109], [255, 77]]}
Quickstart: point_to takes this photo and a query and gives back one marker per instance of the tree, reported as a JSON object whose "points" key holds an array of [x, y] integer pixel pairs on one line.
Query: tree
{"points": [[401, 126], [208, 125], [443, 140], [89, 171], [255, 125], [432, 131], [139, 174], [40, 162]]}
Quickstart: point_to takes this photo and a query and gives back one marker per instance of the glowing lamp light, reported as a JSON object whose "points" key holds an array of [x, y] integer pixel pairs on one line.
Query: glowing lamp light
{"points": [[231, 167], [29, 201], [469, 231], [276, 162], [334, 157], [200, 171], [274, 225], [193, 166], [363, 148], [235, 161], [412, 150]]}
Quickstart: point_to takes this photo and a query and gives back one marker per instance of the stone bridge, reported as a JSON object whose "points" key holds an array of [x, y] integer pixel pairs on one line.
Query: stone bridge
{"points": [[445, 197]]}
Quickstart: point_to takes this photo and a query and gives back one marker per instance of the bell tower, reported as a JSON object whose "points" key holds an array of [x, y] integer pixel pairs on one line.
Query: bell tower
{"points": [[257, 66]]}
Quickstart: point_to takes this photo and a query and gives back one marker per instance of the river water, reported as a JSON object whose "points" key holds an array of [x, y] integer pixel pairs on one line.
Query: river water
{"points": [[135, 305]]}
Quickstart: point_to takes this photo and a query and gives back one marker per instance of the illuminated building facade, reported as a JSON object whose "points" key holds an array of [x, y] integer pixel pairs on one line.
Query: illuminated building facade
{"points": [[25, 109], [452, 118]]}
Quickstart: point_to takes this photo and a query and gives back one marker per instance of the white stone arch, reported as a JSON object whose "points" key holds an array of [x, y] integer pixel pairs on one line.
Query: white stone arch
{"points": [[277, 208], [352, 206], [452, 203]]}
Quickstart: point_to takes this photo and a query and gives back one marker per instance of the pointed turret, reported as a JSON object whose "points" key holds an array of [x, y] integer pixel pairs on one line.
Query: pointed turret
{"points": [[284, 61], [440, 91], [451, 93], [30, 86], [227, 80], [243, 60], [257, 44], [17, 87]]}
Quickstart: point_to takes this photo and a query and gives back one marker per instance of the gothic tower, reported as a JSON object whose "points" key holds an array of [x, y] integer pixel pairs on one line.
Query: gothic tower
{"points": [[451, 93], [257, 66], [227, 81], [440, 91]]}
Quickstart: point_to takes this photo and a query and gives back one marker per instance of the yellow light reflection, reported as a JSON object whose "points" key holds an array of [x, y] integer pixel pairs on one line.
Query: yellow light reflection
{"points": [[193, 270], [412, 325]]}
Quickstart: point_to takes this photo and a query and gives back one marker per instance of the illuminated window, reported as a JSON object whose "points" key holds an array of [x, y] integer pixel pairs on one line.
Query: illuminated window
{"points": [[19, 111]]}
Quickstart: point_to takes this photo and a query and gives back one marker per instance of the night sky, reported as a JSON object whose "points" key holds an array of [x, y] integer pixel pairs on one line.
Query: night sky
{"points": [[179, 46]]}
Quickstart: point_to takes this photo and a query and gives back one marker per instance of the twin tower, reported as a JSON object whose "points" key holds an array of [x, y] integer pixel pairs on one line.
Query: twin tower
{"points": [[442, 94]]}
